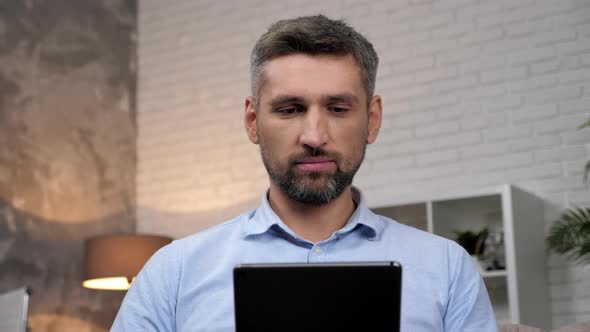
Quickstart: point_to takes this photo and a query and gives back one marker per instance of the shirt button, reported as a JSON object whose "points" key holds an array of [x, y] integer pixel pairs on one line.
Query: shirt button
{"points": [[318, 250]]}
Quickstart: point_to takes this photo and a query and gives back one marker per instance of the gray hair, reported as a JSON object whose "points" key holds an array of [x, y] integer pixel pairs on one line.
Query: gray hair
{"points": [[313, 35]]}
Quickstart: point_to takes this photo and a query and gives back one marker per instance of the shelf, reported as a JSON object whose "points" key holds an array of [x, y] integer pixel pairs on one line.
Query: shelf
{"points": [[514, 213], [414, 215], [473, 213]]}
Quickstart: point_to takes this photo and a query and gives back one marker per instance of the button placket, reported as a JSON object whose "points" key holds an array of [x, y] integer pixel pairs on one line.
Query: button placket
{"points": [[315, 254]]}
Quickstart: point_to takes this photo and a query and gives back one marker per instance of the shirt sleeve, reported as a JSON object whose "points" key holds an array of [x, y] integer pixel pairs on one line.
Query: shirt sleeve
{"points": [[150, 303], [469, 307]]}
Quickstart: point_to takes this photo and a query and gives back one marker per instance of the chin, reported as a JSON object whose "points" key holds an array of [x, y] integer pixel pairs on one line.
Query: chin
{"points": [[316, 178]]}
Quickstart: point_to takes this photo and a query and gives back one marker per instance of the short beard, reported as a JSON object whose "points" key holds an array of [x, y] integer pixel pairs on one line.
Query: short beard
{"points": [[295, 188]]}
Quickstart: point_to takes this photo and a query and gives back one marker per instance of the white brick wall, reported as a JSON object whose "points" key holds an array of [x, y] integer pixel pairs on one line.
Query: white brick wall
{"points": [[475, 93]]}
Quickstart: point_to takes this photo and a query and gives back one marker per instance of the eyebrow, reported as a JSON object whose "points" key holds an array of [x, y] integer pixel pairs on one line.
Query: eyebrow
{"points": [[285, 99], [345, 98]]}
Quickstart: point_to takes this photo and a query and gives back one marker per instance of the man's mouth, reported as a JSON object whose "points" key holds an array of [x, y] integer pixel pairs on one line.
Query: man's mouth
{"points": [[311, 164]]}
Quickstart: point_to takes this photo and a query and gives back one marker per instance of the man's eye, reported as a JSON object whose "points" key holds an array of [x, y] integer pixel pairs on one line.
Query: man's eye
{"points": [[288, 110], [338, 109]]}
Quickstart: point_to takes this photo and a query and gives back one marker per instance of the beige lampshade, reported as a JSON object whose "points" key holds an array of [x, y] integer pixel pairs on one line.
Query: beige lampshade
{"points": [[113, 261]]}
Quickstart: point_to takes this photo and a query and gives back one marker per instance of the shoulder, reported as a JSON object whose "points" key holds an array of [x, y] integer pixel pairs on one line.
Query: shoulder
{"points": [[422, 249], [167, 265], [223, 231], [206, 244], [414, 236]]}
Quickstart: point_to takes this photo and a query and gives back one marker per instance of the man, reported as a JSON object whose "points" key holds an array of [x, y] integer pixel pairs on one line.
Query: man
{"points": [[312, 111]]}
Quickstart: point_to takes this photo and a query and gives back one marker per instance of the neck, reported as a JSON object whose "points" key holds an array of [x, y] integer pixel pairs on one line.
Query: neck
{"points": [[312, 222]]}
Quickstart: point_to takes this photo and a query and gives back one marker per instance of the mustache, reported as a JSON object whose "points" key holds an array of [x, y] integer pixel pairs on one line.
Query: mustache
{"points": [[313, 152]]}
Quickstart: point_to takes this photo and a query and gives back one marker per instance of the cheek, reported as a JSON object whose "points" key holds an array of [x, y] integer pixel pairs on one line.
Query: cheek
{"points": [[280, 129], [349, 135], [278, 138], [351, 142]]}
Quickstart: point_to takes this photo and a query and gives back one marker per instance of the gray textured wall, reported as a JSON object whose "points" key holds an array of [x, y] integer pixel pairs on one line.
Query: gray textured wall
{"points": [[67, 150]]}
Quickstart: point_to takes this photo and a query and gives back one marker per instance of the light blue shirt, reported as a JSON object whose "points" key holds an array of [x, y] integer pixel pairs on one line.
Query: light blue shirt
{"points": [[188, 285]]}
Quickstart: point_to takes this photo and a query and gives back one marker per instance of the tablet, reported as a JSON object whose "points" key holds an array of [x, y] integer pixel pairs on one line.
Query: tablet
{"points": [[360, 296]]}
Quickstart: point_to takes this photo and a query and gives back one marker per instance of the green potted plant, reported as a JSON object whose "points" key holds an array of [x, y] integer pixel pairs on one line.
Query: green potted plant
{"points": [[472, 241], [570, 234]]}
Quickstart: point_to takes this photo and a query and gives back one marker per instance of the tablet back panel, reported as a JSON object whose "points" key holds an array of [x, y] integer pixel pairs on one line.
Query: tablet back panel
{"points": [[318, 297]]}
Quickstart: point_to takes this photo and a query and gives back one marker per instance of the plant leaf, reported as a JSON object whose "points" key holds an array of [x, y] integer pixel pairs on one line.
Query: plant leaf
{"points": [[585, 124], [570, 235]]}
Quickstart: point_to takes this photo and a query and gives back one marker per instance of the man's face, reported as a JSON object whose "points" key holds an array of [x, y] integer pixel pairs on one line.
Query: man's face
{"points": [[312, 124]]}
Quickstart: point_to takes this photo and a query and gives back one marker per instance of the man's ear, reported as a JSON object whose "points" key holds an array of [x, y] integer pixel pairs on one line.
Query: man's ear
{"points": [[250, 119], [375, 116]]}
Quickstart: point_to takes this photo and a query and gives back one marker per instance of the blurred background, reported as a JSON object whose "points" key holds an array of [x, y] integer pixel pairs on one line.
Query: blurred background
{"points": [[124, 116]]}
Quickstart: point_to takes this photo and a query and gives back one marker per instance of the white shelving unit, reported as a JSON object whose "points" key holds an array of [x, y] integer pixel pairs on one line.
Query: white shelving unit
{"points": [[519, 292]]}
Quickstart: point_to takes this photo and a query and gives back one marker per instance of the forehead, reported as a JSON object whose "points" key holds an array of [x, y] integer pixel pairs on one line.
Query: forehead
{"points": [[311, 75]]}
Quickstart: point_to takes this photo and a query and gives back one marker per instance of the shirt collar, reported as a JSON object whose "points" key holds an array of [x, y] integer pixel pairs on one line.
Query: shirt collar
{"points": [[264, 218]]}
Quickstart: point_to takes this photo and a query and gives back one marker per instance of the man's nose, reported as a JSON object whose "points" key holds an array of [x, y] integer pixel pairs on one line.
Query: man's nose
{"points": [[315, 129]]}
